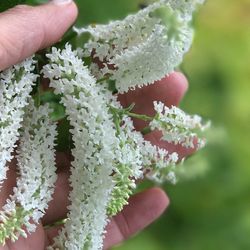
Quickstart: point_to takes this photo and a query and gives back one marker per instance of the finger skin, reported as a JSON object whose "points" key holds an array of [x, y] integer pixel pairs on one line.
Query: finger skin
{"points": [[58, 206], [142, 210], [25, 30], [170, 90]]}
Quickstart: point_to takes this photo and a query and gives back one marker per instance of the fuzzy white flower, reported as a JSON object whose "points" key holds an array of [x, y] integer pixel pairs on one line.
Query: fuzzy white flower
{"points": [[129, 163], [137, 157], [143, 47], [159, 164], [35, 184], [178, 127], [15, 87], [95, 141]]}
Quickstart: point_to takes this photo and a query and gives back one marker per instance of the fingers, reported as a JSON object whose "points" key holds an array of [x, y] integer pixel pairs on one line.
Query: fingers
{"points": [[58, 206], [26, 29], [170, 90], [142, 210], [155, 138], [35, 240], [8, 185]]}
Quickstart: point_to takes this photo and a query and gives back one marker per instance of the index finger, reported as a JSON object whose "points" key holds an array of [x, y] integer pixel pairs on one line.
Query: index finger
{"points": [[25, 29]]}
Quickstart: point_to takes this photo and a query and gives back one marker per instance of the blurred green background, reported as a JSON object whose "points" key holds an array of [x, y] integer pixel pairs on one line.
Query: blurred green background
{"points": [[211, 211]]}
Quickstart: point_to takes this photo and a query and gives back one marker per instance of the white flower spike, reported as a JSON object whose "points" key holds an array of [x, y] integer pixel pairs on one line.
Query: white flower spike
{"points": [[15, 87], [35, 184], [144, 47]]}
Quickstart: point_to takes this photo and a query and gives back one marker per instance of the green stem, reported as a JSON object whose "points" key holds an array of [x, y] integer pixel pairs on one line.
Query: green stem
{"points": [[116, 119], [103, 79], [57, 223], [141, 117], [118, 113], [146, 130]]}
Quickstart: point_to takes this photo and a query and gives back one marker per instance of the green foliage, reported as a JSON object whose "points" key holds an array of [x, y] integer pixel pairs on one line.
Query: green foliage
{"points": [[6, 4]]}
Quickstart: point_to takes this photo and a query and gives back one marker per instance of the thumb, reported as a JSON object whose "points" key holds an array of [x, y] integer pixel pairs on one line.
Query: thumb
{"points": [[25, 29]]}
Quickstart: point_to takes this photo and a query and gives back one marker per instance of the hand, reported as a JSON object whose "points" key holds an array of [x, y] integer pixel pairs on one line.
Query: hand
{"points": [[25, 30]]}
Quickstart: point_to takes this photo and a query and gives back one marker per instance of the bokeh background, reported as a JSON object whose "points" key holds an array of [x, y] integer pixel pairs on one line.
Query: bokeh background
{"points": [[211, 210], [210, 206]]}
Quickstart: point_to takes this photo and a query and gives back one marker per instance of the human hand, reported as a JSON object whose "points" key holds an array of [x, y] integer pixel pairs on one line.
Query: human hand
{"points": [[25, 30]]}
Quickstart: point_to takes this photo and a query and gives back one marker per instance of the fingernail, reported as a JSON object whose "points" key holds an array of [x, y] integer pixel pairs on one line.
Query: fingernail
{"points": [[61, 2]]}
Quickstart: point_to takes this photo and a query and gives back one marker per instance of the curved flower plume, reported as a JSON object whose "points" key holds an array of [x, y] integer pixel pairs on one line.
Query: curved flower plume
{"points": [[162, 164], [35, 184], [143, 47], [95, 141], [128, 161], [15, 87], [178, 127], [134, 158]]}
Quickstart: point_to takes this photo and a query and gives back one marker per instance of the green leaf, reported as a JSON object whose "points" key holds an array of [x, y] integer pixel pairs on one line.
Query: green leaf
{"points": [[112, 86], [58, 111], [64, 138], [6, 4], [49, 96]]}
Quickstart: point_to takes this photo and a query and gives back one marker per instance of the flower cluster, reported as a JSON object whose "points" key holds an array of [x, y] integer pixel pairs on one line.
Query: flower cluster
{"points": [[95, 143], [109, 154], [177, 127], [15, 87], [35, 184], [154, 39]]}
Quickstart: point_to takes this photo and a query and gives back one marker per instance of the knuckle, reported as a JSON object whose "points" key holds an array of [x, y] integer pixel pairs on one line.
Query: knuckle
{"points": [[123, 225]]}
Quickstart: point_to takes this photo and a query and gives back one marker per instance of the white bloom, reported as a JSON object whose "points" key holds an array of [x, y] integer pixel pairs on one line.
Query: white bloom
{"points": [[15, 87], [159, 163], [36, 167], [143, 47], [95, 141], [178, 127], [129, 163]]}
